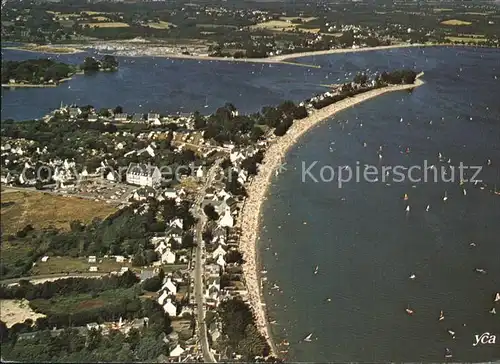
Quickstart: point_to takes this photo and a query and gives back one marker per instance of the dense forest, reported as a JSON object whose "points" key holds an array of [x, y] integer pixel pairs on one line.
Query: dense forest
{"points": [[240, 333], [36, 71], [70, 304]]}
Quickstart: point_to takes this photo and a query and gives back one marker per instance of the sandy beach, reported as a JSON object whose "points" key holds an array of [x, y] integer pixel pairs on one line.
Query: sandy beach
{"points": [[46, 49], [257, 191]]}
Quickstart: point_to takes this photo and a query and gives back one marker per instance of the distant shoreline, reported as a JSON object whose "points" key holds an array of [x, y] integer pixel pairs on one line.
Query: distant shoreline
{"points": [[30, 85], [159, 51], [258, 188], [45, 49]]}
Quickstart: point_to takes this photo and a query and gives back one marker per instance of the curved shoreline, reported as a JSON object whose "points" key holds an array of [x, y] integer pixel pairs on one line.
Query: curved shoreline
{"points": [[259, 186]]}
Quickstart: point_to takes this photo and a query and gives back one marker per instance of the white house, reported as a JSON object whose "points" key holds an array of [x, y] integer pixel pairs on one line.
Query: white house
{"points": [[93, 269], [153, 118], [168, 256], [162, 297], [170, 193], [218, 252], [177, 223], [120, 258], [45, 258], [199, 172], [143, 175], [170, 308], [161, 247], [92, 259], [177, 351], [226, 220], [169, 286], [221, 261]]}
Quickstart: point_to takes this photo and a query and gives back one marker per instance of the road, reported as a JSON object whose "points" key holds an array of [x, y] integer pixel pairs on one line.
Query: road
{"points": [[208, 357], [52, 277]]}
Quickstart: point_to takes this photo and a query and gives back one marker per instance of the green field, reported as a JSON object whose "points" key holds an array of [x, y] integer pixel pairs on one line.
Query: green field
{"points": [[80, 302]]}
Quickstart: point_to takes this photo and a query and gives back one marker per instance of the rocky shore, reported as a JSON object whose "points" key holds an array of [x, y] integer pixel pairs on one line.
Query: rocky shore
{"points": [[257, 190]]}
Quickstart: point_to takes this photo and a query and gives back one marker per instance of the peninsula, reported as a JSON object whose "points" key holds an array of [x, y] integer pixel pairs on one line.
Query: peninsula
{"points": [[258, 187], [46, 72]]}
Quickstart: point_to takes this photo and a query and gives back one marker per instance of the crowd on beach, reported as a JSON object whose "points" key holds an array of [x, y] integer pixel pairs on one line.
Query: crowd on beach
{"points": [[257, 189]]}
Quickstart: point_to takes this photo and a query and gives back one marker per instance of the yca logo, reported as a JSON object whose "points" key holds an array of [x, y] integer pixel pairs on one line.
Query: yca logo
{"points": [[485, 338]]}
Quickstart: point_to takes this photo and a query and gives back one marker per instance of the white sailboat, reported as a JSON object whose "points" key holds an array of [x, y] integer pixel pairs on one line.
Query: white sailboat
{"points": [[316, 270], [206, 102], [428, 207], [308, 338], [408, 208], [497, 297], [445, 196], [441, 316]]}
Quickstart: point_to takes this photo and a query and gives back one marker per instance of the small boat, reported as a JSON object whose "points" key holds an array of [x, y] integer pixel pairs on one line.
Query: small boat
{"points": [[316, 270], [405, 197], [428, 207], [480, 270], [496, 192], [409, 311], [493, 311], [447, 353], [451, 332], [441, 316], [413, 276], [445, 196], [497, 297], [408, 208], [465, 192], [308, 338]]}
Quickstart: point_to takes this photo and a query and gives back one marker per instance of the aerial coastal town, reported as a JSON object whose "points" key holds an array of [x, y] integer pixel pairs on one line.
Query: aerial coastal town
{"points": [[132, 236], [164, 210]]}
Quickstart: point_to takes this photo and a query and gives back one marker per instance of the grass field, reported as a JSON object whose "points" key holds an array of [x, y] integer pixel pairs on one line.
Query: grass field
{"points": [[467, 39], [14, 311], [304, 19], [160, 25], [100, 18], [274, 25], [42, 210], [283, 25], [108, 25], [79, 302], [456, 22]]}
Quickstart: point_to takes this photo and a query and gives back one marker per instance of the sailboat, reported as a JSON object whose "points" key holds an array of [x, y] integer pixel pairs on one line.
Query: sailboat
{"points": [[409, 311], [406, 197], [206, 102], [308, 338], [496, 192], [497, 297], [408, 208], [447, 353], [465, 192], [441, 316], [316, 270], [428, 207], [445, 196]]}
